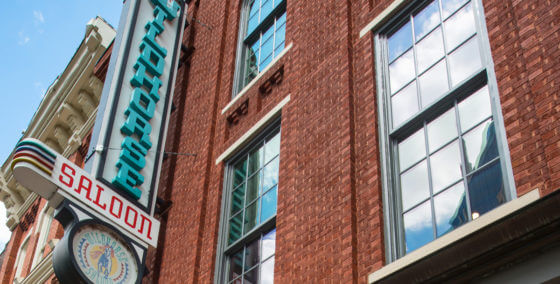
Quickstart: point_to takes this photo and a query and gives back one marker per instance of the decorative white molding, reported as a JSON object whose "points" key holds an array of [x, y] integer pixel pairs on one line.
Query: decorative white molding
{"points": [[65, 115], [383, 16], [254, 130], [41, 272], [254, 81]]}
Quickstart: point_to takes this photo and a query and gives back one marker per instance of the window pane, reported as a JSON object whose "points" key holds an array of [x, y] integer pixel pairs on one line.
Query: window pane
{"points": [[426, 20], [266, 8], [251, 61], [412, 149], [282, 19], [268, 204], [251, 217], [433, 83], [267, 272], [253, 23], [474, 109], [464, 61], [255, 160], [400, 41], [237, 199], [401, 71], [237, 281], [267, 35], [240, 172], [272, 148], [446, 166], [405, 104], [459, 27], [270, 174], [486, 189], [235, 226], [255, 6], [480, 145], [236, 265], [442, 130], [269, 244], [418, 227], [253, 187], [451, 209], [266, 61], [279, 48], [415, 185], [252, 255], [429, 50], [450, 6], [250, 277], [280, 37]]}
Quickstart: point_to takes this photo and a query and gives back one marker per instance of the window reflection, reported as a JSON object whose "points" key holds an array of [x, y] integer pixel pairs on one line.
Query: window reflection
{"points": [[418, 227], [480, 146], [475, 109], [486, 189], [405, 104], [442, 130], [400, 41], [433, 83], [426, 20], [450, 213], [450, 6], [401, 71], [412, 149], [415, 185], [459, 27], [446, 166], [430, 50], [464, 61]]}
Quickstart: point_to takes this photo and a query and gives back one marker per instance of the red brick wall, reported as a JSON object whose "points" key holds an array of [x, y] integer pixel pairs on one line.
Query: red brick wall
{"points": [[329, 218]]}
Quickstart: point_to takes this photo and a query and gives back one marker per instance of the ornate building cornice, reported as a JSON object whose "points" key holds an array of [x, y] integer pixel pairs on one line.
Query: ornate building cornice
{"points": [[65, 116]]}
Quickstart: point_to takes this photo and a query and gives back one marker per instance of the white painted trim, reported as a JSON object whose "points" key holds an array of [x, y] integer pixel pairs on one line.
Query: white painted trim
{"points": [[462, 232], [246, 88], [254, 130], [379, 19], [42, 272]]}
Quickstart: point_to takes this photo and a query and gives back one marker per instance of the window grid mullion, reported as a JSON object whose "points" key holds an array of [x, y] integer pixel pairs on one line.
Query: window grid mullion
{"points": [[463, 160], [444, 36], [416, 71], [430, 183]]}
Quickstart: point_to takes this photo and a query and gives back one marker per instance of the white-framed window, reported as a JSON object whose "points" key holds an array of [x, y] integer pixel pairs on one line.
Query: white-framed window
{"points": [[262, 35], [248, 235], [444, 155], [20, 259], [46, 219]]}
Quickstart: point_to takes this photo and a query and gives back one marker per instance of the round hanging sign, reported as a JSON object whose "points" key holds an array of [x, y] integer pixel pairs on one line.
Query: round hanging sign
{"points": [[95, 253], [102, 255]]}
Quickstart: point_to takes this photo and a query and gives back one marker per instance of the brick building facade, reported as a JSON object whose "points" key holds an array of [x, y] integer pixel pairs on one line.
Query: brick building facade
{"points": [[324, 88]]}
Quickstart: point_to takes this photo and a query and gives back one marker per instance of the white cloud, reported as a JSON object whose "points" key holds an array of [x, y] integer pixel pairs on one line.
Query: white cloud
{"points": [[38, 15], [23, 38]]}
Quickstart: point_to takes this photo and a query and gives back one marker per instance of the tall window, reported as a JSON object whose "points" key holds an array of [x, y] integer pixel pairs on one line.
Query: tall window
{"points": [[262, 35], [251, 191], [443, 147], [43, 229], [20, 259]]}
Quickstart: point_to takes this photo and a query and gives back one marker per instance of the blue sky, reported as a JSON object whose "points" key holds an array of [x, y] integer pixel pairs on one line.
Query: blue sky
{"points": [[38, 40]]}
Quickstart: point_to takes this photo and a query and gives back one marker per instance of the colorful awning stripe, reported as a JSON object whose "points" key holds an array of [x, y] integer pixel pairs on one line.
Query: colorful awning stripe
{"points": [[34, 154]]}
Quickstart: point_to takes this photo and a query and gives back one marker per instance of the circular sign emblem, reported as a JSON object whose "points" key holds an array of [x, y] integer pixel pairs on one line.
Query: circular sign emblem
{"points": [[103, 256]]}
